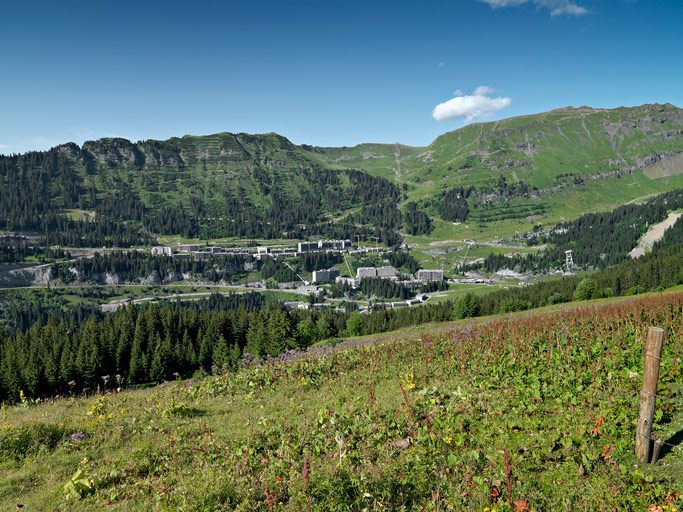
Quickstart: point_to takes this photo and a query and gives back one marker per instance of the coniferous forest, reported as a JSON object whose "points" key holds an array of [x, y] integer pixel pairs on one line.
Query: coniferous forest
{"points": [[156, 342], [115, 193], [598, 240]]}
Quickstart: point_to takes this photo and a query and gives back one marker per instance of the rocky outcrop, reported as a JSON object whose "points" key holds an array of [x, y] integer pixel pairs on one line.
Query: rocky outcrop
{"points": [[23, 275], [114, 152]]}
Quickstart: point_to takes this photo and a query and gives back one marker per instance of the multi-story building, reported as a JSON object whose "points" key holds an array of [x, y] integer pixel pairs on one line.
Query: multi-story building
{"points": [[161, 251], [189, 247], [426, 275], [307, 246], [321, 276], [351, 281], [338, 245], [386, 272], [362, 272], [325, 276]]}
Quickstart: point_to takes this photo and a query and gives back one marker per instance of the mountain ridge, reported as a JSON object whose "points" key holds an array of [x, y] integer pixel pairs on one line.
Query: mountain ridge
{"points": [[189, 136], [539, 166]]}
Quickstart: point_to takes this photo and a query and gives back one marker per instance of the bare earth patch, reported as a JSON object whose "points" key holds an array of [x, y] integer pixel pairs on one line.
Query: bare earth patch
{"points": [[654, 234], [669, 166], [441, 242]]}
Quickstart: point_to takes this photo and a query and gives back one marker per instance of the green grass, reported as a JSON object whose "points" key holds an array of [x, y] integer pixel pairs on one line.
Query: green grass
{"points": [[79, 214], [408, 421], [455, 291]]}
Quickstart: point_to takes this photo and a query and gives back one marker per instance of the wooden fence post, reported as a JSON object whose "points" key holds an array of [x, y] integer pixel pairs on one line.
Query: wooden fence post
{"points": [[655, 451], [648, 393]]}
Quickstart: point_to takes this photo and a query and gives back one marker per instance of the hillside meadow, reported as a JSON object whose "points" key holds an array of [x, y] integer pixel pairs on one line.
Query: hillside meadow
{"points": [[534, 411]]}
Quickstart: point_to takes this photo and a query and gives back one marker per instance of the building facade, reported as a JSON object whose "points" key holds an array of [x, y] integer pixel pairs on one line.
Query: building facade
{"points": [[427, 275], [161, 251]]}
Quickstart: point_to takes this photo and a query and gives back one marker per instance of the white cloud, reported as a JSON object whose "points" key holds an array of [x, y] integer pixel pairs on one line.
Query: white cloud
{"points": [[5, 146], [470, 107], [482, 90], [556, 7]]}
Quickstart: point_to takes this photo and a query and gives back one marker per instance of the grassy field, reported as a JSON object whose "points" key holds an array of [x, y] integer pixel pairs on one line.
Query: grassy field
{"points": [[530, 411]]}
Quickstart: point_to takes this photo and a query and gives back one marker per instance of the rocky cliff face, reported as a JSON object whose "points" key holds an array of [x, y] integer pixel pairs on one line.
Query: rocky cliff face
{"points": [[178, 152], [25, 275]]}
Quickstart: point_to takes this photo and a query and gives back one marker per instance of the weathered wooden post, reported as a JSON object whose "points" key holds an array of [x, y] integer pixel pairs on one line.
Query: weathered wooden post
{"points": [[655, 450], [648, 393]]}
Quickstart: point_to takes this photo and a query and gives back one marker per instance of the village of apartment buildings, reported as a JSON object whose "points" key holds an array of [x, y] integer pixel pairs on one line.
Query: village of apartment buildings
{"points": [[320, 276]]}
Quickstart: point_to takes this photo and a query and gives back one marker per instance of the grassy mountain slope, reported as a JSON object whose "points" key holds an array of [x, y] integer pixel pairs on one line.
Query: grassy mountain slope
{"points": [[553, 166], [535, 148], [217, 185], [204, 166], [535, 411], [572, 160]]}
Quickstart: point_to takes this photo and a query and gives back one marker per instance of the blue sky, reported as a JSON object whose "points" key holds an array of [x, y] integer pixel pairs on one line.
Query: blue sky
{"points": [[323, 73]]}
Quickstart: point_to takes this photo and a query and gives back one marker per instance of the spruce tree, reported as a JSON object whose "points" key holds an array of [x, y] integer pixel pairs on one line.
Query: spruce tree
{"points": [[220, 355]]}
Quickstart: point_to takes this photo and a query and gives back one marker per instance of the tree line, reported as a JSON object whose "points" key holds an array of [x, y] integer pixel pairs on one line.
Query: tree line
{"points": [[155, 342], [598, 240], [133, 266], [660, 269]]}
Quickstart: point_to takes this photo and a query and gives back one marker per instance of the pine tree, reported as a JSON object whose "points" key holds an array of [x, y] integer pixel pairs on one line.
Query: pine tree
{"points": [[157, 369], [136, 369], [354, 325], [306, 331], [220, 355], [256, 336], [467, 306], [205, 349], [234, 356], [279, 332]]}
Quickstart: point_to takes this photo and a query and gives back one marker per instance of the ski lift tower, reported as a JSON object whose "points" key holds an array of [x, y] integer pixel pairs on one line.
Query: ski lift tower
{"points": [[569, 260]]}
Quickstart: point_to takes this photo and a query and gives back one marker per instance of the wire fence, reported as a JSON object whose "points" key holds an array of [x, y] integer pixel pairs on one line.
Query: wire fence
{"points": [[673, 447], [664, 443]]}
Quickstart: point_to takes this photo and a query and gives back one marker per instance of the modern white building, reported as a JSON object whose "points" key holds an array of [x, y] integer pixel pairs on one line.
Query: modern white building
{"points": [[161, 251], [351, 281], [427, 275], [334, 244], [386, 272], [307, 246], [189, 247], [326, 275], [321, 276], [362, 272]]}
